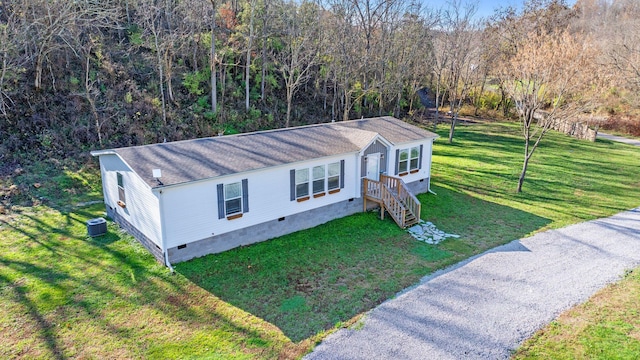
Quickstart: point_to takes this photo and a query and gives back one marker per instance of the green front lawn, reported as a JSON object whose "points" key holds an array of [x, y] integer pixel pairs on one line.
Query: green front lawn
{"points": [[314, 280], [63, 294]]}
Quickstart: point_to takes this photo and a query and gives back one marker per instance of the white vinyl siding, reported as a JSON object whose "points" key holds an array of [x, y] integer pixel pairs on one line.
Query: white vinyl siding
{"points": [[143, 209], [188, 208]]}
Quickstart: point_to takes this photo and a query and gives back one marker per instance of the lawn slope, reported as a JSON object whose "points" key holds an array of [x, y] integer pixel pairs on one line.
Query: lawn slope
{"points": [[63, 294]]}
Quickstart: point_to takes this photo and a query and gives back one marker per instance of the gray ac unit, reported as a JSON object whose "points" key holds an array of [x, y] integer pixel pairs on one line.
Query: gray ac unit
{"points": [[97, 227]]}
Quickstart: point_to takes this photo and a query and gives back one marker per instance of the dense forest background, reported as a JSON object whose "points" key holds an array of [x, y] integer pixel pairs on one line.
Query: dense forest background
{"points": [[82, 75]]}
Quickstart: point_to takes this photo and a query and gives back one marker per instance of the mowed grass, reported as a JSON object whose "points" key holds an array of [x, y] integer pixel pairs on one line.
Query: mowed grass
{"points": [[63, 294], [316, 280], [605, 327], [568, 180]]}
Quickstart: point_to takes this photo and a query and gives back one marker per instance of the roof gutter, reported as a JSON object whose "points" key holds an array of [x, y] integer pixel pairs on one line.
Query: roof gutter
{"points": [[103, 152]]}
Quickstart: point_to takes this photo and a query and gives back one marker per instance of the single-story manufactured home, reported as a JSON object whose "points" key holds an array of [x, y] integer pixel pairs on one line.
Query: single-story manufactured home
{"points": [[190, 198]]}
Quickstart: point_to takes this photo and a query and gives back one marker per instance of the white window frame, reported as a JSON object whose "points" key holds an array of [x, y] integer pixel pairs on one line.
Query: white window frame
{"points": [[234, 198], [318, 179], [409, 160], [416, 158], [335, 176], [299, 183], [120, 182]]}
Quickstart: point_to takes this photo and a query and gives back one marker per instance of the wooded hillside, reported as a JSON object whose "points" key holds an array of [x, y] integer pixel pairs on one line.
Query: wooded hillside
{"points": [[82, 75]]}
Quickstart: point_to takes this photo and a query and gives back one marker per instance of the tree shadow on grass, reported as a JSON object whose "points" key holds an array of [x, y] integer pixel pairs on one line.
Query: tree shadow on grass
{"points": [[314, 280], [55, 279]]}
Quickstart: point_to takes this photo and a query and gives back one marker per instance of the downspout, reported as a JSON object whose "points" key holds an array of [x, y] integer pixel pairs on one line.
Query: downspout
{"points": [[431, 162], [163, 235]]}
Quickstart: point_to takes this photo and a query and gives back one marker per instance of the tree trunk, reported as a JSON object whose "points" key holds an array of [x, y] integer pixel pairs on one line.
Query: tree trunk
{"points": [[3, 109], [264, 68], [264, 50], [435, 121], [87, 87], [324, 104], [246, 78], [161, 75], [289, 101], [454, 118], [169, 76], [453, 127], [347, 105], [223, 82], [524, 172], [334, 100], [38, 80], [504, 101], [212, 61], [479, 95], [248, 61]]}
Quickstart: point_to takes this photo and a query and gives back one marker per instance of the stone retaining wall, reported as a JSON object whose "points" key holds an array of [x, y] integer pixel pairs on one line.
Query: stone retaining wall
{"points": [[577, 129]]}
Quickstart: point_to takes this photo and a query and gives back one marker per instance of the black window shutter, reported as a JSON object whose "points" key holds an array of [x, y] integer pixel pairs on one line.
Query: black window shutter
{"points": [[245, 195], [341, 174], [292, 177], [220, 201], [420, 158], [397, 160]]}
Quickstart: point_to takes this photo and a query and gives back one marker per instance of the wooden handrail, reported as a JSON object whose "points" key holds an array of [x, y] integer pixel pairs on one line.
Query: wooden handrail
{"points": [[394, 196], [393, 205], [405, 195]]}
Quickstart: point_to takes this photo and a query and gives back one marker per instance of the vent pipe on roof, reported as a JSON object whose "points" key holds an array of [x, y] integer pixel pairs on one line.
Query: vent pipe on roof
{"points": [[157, 174]]}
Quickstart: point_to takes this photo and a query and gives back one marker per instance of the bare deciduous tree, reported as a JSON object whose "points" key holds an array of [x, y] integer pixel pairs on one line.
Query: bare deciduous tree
{"points": [[297, 52], [53, 25], [249, 35], [551, 76], [10, 61], [456, 58]]}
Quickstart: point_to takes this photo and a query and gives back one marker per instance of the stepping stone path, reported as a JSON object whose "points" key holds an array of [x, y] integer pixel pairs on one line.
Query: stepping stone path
{"points": [[426, 231]]}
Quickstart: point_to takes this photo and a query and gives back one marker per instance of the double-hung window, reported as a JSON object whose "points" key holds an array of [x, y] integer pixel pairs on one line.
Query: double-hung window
{"points": [[409, 160], [333, 173], [318, 180], [302, 183], [414, 155], [232, 198], [403, 161], [121, 196]]}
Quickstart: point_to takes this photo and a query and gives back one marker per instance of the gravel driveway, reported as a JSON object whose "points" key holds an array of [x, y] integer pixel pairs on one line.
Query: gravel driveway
{"points": [[486, 306], [621, 139]]}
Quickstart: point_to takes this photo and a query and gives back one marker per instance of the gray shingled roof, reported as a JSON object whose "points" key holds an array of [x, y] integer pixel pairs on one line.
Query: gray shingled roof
{"points": [[191, 160]]}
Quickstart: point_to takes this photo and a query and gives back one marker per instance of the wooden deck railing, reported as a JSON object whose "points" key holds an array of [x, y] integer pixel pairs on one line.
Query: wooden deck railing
{"points": [[394, 206], [393, 195], [404, 194], [372, 188]]}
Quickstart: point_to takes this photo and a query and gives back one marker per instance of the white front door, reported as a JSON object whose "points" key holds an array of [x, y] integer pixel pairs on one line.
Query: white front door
{"points": [[373, 166]]}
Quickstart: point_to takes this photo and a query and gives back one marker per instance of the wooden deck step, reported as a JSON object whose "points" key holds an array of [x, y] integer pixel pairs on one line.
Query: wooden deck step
{"points": [[393, 195]]}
